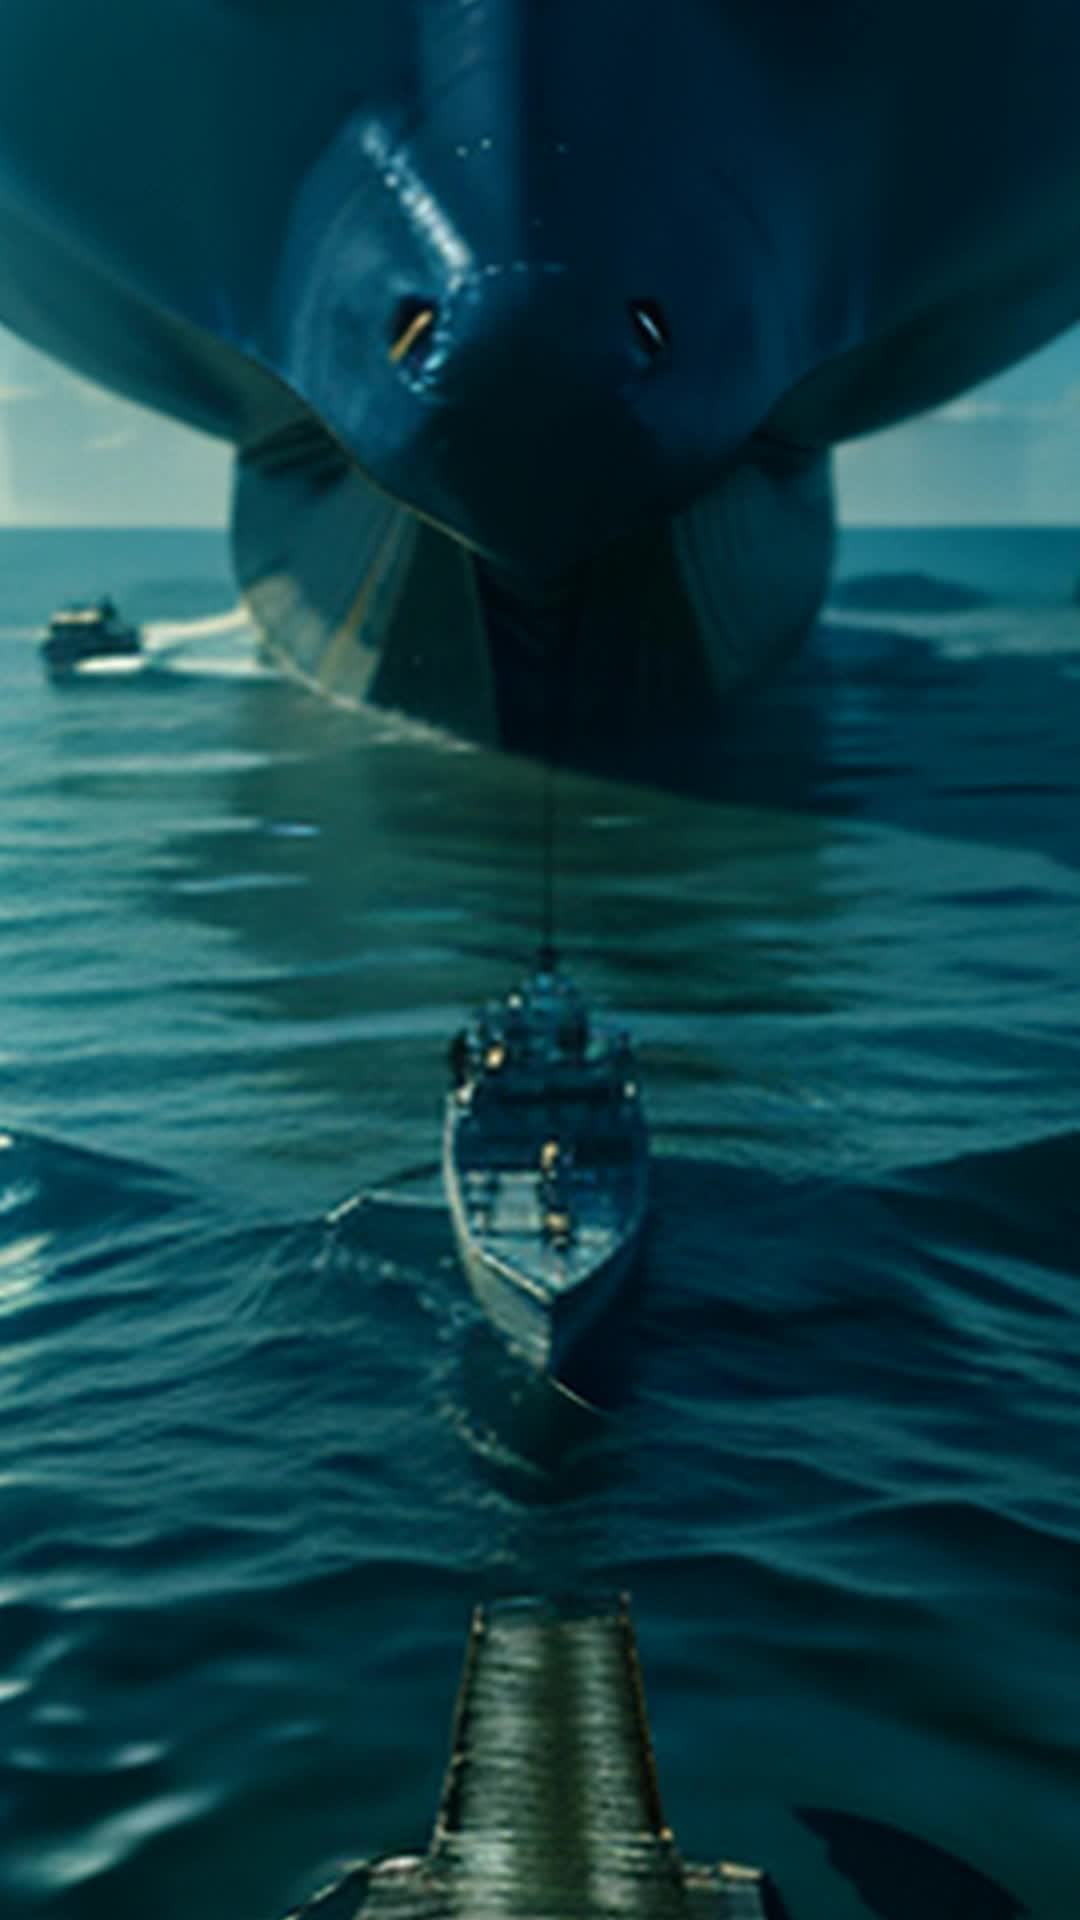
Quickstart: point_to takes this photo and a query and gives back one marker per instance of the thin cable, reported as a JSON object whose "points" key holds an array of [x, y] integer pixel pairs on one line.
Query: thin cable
{"points": [[556, 660], [547, 829]]}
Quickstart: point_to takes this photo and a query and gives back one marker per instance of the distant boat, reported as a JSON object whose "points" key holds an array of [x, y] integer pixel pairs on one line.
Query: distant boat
{"points": [[545, 1163], [86, 631]]}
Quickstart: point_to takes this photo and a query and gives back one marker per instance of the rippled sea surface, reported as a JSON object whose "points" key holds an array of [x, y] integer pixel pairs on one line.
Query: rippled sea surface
{"points": [[259, 1458]]}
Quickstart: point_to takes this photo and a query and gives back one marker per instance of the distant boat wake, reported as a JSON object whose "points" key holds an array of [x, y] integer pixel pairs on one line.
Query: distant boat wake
{"points": [[160, 634], [203, 647], [168, 642]]}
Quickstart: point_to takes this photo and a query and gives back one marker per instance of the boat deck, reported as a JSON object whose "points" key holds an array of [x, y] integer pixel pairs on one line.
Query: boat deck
{"points": [[505, 1216], [545, 1164]]}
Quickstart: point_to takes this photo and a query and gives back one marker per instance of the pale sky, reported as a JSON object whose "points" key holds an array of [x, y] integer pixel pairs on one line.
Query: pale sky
{"points": [[1006, 454]]}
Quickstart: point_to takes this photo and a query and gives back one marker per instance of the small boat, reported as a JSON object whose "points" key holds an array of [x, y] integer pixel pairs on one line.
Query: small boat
{"points": [[87, 631], [545, 1164]]}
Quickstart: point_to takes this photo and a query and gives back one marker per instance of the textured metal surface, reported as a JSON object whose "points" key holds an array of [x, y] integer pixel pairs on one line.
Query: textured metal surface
{"points": [[359, 599], [553, 1800], [551, 1806]]}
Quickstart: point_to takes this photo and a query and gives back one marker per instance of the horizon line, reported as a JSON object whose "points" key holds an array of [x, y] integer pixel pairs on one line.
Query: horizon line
{"points": [[842, 526]]}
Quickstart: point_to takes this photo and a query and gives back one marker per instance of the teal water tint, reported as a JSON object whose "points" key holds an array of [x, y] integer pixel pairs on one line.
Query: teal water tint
{"points": [[258, 1459]]}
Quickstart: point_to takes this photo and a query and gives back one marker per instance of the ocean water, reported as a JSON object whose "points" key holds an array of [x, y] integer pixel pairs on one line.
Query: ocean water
{"points": [[258, 1456]]}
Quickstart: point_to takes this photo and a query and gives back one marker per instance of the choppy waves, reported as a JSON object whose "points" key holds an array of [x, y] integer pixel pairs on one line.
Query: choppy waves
{"points": [[254, 1477], [258, 1454]]}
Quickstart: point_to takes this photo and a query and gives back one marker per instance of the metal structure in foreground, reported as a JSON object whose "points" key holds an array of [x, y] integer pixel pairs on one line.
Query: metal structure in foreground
{"points": [[550, 1807]]}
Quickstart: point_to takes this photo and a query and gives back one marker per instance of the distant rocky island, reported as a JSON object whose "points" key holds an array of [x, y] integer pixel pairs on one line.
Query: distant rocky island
{"points": [[906, 593]]}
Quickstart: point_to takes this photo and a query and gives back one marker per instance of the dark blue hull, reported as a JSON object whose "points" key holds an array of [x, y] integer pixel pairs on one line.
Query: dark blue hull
{"points": [[524, 391]]}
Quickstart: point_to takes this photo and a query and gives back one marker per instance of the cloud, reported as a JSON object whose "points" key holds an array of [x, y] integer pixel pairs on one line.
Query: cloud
{"points": [[10, 396], [113, 442]]}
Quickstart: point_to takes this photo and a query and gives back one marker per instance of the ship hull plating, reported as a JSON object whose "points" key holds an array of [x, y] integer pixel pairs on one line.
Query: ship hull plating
{"points": [[514, 383]]}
